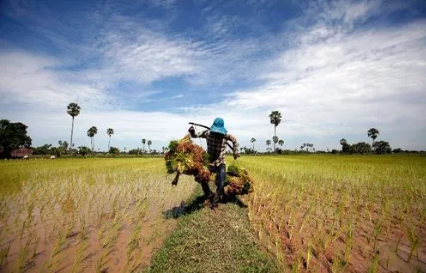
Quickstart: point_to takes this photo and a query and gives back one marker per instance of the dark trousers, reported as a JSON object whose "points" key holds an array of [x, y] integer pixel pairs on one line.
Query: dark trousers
{"points": [[220, 172]]}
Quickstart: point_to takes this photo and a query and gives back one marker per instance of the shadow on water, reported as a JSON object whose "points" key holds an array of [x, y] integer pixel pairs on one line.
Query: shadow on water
{"points": [[197, 204]]}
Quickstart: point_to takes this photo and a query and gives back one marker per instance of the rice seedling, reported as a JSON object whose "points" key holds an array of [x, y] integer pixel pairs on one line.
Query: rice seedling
{"points": [[80, 209], [351, 205]]}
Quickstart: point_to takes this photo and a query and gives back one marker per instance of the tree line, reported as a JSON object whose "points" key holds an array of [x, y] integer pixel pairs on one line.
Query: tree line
{"points": [[13, 135], [74, 109], [378, 147]]}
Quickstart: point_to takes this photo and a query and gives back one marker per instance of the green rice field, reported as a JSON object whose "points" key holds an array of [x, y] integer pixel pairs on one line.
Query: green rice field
{"points": [[341, 213], [311, 213]]}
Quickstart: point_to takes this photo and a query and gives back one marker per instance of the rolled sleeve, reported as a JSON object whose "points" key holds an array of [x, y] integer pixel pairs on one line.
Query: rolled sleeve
{"points": [[234, 143], [202, 134]]}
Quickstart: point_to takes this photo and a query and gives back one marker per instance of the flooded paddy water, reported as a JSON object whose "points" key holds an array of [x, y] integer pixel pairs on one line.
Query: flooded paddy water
{"points": [[76, 215]]}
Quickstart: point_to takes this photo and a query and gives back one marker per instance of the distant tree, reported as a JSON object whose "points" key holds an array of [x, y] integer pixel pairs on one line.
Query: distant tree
{"points": [[83, 150], [397, 150], [149, 145], [135, 151], [275, 140], [345, 146], [248, 150], [305, 145], [143, 143], [109, 132], [253, 140], [382, 147], [275, 118], [43, 150], [373, 133], [62, 148], [13, 135], [281, 142], [361, 148], [73, 110], [268, 142], [91, 133], [114, 150]]}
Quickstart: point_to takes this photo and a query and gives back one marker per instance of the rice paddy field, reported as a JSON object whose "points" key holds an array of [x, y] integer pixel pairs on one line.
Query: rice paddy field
{"points": [[341, 213], [316, 213], [84, 215]]}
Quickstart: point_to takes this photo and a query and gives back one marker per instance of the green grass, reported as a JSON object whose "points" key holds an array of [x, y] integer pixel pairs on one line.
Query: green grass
{"points": [[208, 241]]}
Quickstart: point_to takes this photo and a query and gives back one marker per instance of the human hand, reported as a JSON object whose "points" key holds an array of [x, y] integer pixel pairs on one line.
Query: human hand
{"points": [[191, 130]]}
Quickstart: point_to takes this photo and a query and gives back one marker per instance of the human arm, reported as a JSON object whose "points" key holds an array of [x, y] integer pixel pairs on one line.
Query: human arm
{"points": [[194, 134], [234, 145]]}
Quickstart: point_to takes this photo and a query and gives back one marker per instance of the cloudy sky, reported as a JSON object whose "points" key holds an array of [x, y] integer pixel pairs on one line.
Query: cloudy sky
{"points": [[146, 68]]}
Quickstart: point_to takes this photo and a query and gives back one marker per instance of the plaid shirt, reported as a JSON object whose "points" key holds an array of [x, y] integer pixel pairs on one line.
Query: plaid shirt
{"points": [[216, 146]]}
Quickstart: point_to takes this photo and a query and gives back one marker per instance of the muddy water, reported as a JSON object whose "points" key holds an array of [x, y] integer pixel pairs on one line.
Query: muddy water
{"points": [[87, 228], [48, 248]]}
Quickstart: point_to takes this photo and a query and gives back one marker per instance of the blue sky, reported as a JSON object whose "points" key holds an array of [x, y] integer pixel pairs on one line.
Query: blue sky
{"points": [[146, 68]]}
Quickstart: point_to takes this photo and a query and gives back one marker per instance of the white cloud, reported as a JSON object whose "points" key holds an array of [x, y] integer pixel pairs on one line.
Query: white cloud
{"points": [[27, 79], [147, 56], [332, 80]]}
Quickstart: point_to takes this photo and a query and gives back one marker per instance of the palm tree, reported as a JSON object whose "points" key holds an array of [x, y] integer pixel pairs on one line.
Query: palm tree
{"points": [[373, 132], [268, 142], [143, 142], [73, 110], [91, 133], [109, 132], [149, 145], [275, 118], [281, 142], [253, 140], [275, 140]]}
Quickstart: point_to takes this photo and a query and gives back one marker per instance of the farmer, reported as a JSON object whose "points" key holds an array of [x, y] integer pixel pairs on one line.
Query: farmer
{"points": [[216, 138]]}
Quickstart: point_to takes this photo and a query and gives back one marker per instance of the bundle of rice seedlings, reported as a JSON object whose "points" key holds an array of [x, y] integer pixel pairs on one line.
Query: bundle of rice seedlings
{"points": [[185, 157], [238, 181]]}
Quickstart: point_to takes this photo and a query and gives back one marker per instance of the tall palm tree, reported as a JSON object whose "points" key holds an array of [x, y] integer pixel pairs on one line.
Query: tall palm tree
{"points": [[149, 145], [73, 110], [373, 132], [143, 142], [91, 133], [109, 132], [281, 142], [275, 118], [253, 140]]}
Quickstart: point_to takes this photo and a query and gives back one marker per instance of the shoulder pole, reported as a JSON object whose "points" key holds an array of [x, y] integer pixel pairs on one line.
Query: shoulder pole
{"points": [[208, 128]]}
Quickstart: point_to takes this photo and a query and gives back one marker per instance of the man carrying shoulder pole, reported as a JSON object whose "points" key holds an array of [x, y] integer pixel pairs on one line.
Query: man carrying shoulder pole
{"points": [[216, 137]]}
